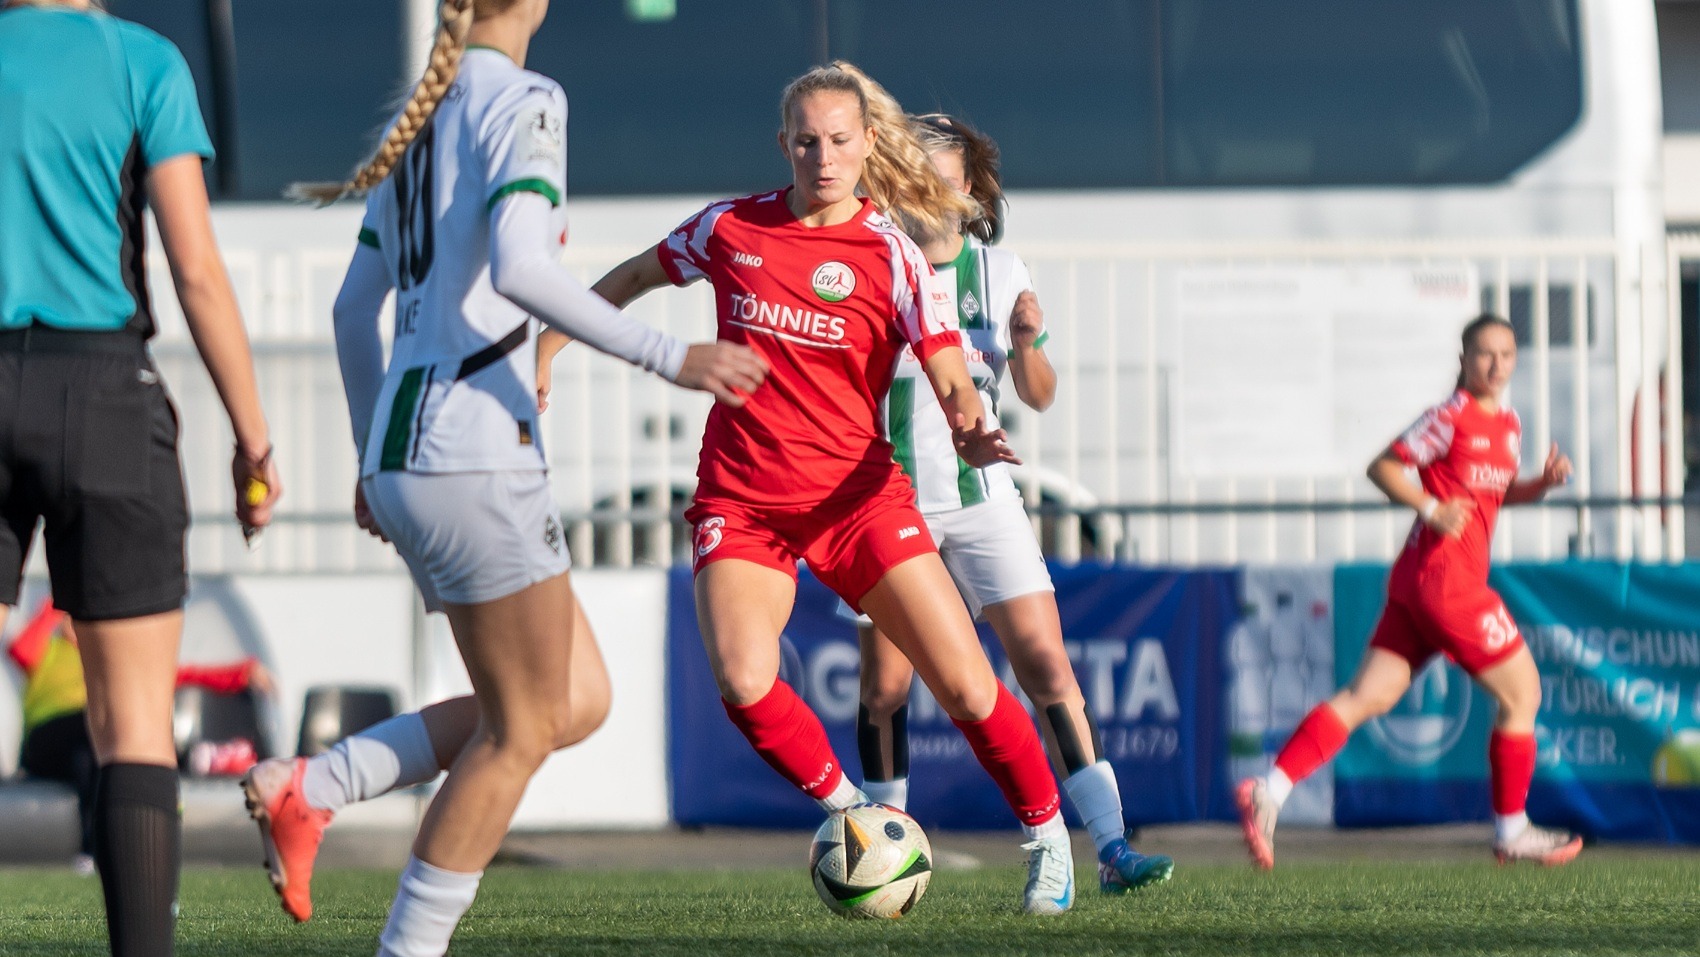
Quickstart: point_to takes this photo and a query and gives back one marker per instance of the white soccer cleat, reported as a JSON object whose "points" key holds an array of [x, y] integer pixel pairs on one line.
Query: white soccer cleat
{"points": [[1050, 876], [1540, 845], [1257, 820]]}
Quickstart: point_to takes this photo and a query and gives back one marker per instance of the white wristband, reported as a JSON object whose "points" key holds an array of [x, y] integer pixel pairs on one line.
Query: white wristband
{"points": [[1428, 509]]}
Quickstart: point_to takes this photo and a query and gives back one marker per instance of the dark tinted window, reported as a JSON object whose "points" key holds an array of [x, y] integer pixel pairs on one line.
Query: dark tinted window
{"points": [[681, 96], [313, 79], [1090, 93], [1363, 91], [680, 104]]}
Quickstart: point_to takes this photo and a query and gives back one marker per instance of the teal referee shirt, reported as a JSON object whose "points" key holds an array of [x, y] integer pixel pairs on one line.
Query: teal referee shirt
{"points": [[88, 104]]}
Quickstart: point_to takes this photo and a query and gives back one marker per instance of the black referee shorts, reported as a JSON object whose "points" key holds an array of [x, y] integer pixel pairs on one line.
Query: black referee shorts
{"points": [[88, 448]]}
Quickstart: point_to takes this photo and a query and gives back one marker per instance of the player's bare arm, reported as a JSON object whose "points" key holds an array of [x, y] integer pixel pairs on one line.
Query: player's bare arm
{"points": [[1035, 380], [948, 372], [1393, 478], [1555, 471]]}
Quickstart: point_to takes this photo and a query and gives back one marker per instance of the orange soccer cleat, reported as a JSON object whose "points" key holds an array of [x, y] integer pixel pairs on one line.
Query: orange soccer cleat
{"points": [[290, 827]]}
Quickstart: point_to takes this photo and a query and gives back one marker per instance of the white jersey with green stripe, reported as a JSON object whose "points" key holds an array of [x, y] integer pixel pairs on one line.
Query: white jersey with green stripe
{"points": [[460, 392], [984, 281]]}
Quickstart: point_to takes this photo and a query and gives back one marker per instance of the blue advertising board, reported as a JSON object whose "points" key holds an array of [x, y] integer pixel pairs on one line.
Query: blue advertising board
{"points": [[1146, 645], [1618, 648]]}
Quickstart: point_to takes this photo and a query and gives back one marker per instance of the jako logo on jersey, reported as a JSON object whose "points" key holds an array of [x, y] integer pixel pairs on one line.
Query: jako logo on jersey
{"points": [[909, 532], [745, 259], [1480, 441], [834, 281], [708, 535], [807, 327]]}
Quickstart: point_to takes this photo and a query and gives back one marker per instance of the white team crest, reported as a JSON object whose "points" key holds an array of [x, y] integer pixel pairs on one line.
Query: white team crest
{"points": [[833, 281], [1514, 442], [970, 305]]}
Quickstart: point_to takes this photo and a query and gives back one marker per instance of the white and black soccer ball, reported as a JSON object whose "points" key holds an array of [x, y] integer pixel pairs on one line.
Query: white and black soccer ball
{"points": [[870, 860]]}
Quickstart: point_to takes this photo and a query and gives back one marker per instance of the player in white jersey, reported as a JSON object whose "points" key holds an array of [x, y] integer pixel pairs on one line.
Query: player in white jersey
{"points": [[977, 519], [464, 223]]}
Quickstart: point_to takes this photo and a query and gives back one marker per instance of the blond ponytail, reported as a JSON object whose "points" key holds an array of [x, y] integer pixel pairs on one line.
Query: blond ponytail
{"points": [[454, 20], [897, 174]]}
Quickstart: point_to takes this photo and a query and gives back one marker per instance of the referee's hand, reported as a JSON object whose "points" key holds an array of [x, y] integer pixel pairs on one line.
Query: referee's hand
{"points": [[258, 488]]}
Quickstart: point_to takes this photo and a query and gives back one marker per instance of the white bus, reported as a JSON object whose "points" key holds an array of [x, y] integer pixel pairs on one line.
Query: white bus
{"points": [[1255, 227]]}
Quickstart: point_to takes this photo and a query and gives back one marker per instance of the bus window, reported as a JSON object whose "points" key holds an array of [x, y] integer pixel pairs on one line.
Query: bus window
{"points": [[1069, 95], [686, 103], [1326, 92], [313, 79]]}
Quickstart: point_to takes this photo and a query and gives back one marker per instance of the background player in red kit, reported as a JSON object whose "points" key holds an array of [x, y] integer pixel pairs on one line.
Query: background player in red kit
{"points": [[1466, 452], [827, 290]]}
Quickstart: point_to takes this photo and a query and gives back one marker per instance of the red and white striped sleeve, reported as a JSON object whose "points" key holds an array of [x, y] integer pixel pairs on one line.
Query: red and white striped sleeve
{"points": [[1429, 438], [684, 254], [923, 313]]}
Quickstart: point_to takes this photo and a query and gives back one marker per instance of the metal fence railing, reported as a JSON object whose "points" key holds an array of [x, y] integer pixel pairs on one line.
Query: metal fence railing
{"points": [[1118, 465]]}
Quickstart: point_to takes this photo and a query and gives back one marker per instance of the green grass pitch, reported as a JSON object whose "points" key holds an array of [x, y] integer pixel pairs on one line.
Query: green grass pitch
{"points": [[1592, 907]]}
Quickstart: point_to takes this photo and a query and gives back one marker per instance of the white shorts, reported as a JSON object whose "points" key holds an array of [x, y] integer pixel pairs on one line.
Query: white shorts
{"points": [[990, 551], [471, 537]]}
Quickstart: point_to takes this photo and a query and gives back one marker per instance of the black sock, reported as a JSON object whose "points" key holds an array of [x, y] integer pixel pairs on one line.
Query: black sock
{"points": [[884, 751], [138, 833]]}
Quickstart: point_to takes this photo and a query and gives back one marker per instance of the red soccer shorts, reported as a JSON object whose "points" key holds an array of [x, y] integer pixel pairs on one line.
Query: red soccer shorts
{"points": [[848, 545], [1465, 621]]}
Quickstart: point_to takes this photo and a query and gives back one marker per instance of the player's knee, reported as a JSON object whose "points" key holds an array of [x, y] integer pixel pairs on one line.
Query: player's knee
{"points": [[744, 685], [1519, 705], [589, 710], [1354, 706], [1049, 682], [883, 694], [523, 742], [969, 702]]}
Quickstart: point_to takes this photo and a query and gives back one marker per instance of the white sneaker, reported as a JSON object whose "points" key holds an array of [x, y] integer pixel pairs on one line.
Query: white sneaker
{"points": [[1050, 876], [1257, 821], [1539, 844]]}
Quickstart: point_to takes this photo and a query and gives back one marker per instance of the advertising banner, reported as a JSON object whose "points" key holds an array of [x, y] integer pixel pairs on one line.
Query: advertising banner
{"points": [[1146, 647], [1279, 664], [1618, 650]]}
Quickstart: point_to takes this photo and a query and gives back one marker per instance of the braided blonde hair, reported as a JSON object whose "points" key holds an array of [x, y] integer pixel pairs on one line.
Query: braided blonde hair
{"points": [[897, 173], [454, 19]]}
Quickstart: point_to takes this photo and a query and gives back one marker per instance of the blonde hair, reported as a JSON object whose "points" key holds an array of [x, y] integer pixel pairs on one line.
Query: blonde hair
{"points": [[897, 173], [454, 19]]}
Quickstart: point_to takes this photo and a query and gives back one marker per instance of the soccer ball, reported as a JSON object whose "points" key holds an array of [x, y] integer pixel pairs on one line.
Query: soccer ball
{"points": [[870, 860]]}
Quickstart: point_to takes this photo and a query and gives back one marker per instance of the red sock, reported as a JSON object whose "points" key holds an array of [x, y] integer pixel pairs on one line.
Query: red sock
{"points": [[1511, 759], [789, 737], [1008, 748], [1315, 741]]}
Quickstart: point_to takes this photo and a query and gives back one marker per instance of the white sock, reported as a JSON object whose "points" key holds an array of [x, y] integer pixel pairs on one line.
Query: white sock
{"points": [[842, 796], [894, 792], [1506, 827], [391, 754], [1054, 828], [1095, 795], [1280, 786], [429, 902]]}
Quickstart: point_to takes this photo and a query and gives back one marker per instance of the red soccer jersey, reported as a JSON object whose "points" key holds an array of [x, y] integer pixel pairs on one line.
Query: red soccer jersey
{"points": [[1460, 450], [829, 308]]}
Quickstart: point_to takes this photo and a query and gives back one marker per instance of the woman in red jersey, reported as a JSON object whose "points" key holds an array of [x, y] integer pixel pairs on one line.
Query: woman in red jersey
{"points": [[1466, 452], [828, 290]]}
